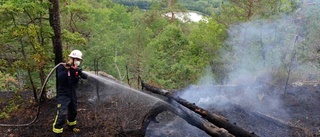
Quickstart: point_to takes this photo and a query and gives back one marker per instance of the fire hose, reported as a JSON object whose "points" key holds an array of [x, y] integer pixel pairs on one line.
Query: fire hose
{"points": [[40, 95]]}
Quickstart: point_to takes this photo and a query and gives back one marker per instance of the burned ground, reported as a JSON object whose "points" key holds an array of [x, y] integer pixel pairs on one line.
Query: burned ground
{"points": [[117, 110]]}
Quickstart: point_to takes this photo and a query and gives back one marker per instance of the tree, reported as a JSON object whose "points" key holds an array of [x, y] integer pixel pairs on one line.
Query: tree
{"points": [[172, 6], [139, 35], [308, 41], [172, 63], [54, 19], [27, 33], [54, 16], [207, 40]]}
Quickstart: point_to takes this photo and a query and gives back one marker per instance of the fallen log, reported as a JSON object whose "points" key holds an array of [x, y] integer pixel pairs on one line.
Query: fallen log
{"points": [[213, 118], [208, 127]]}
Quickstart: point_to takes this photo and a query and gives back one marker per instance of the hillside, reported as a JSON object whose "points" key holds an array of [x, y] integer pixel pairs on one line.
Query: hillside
{"points": [[120, 111]]}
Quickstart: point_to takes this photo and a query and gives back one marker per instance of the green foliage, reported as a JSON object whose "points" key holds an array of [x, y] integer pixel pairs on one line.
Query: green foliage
{"points": [[25, 38], [207, 40], [8, 82], [4, 115], [173, 64], [3, 65], [237, 11], [288, 6], [109, 33], [11, 107], [73, 38], [169, 54]]}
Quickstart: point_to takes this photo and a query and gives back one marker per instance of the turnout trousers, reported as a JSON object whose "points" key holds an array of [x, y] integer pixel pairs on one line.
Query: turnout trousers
{"points": [[66, 110]]}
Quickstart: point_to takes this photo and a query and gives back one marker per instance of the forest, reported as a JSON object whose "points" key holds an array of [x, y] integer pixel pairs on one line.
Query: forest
{"points": [[237, 40]]}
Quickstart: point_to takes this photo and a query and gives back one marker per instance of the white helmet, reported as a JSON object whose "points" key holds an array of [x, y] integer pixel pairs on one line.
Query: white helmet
{"points": [[76, 54]]}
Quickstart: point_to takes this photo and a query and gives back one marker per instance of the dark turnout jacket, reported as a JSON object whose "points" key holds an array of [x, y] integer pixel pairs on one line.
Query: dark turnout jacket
{"points": [[68, 80]]}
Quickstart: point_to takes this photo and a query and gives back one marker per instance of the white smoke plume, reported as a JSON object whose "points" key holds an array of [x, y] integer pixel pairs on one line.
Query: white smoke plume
{"points": [[264, 54]]}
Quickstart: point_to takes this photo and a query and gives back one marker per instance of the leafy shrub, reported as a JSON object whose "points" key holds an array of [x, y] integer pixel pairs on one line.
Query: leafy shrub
{"points": [[8, 82], [9, 108]]}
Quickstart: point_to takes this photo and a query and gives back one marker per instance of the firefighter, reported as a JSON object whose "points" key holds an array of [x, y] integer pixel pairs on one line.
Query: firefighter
{"points": [[68, 77]]}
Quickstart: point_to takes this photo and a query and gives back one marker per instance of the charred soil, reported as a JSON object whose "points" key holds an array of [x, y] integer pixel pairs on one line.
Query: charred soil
{"points": [[302, 106]]}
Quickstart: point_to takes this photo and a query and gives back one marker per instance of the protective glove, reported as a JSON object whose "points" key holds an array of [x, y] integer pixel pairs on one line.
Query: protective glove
{"points": [[82, 75], [79, 69], [67, 66]]}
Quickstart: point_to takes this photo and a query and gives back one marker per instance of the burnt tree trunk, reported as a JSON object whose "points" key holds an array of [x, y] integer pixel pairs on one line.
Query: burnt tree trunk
{"points": [[250, 10], [208, 127], [139, 59], [54, 20], [213, 118]]}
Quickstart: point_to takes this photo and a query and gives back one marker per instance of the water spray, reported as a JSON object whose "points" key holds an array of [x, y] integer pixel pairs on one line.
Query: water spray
{"points": [[40, 95]]}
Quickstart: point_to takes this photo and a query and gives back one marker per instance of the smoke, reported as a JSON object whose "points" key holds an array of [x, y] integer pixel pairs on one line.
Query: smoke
{"points": [[265, 55], [172, 126], [264, 52], [258, 49], [267, 51]]}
